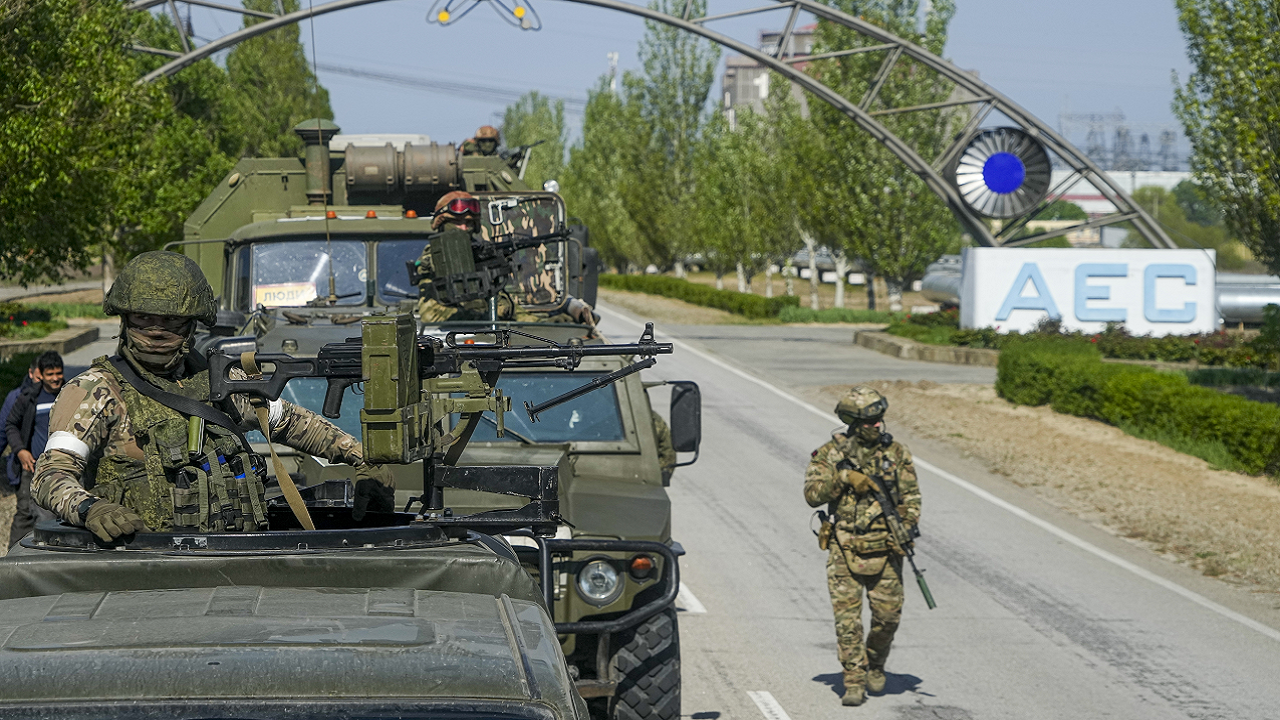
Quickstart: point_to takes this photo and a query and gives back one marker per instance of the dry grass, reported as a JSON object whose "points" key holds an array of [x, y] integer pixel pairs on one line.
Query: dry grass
{"points": [[1220, 522], [669, 311]]}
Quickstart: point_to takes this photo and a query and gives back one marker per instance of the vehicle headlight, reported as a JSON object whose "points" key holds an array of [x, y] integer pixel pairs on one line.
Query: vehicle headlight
{"points": [[599, 582]]}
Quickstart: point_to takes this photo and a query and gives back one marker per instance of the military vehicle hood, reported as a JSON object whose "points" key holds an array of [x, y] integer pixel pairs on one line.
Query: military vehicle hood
{"points": [[252, 642]]}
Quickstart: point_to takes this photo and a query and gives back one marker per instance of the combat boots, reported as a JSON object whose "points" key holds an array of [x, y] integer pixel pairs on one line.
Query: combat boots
{"points": [[854, 689], [875, 680], [853, 696]]}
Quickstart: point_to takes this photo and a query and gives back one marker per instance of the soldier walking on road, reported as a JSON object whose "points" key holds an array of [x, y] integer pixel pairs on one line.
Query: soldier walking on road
{"points": [[862, 552], [137, 418]]}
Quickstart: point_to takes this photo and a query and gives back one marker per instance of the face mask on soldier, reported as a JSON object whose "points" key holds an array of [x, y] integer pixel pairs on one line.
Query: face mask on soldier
{"points": [[868, 434], [158, 341]]}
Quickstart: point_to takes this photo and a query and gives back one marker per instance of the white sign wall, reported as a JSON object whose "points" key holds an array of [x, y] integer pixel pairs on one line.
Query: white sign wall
{"points": [[1153, 292]]}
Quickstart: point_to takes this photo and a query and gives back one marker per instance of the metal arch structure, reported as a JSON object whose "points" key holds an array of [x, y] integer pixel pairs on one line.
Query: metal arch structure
{"points": [[981, 99]]}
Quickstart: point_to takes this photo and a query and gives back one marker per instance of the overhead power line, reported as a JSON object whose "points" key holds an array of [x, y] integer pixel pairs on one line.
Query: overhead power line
{"points": [[464, 89]]}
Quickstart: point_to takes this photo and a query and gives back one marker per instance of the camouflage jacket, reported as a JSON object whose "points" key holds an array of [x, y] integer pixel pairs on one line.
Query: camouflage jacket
{"points": [[859, 513], [101, 429]]}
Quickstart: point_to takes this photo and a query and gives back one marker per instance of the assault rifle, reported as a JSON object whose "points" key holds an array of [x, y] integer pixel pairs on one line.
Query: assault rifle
{"points": [[904, 537], [412, 383]]}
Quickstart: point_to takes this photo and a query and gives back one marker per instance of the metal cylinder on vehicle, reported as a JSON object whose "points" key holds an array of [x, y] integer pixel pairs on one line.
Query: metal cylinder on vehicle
{"points": [[316, 133], [372, 169], [431, 168]]}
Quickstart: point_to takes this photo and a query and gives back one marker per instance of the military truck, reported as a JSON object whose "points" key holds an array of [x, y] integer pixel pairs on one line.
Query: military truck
{"points": [[300, 248]]}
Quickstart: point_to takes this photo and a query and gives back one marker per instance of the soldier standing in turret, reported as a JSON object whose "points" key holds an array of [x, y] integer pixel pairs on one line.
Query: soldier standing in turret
{"points": [[485, 142], [862, 553], [156, 469]]}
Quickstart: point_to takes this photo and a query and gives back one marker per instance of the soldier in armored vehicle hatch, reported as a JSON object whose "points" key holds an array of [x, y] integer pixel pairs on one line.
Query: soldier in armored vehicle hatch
{"points": [[166, 458], [459, 212]]}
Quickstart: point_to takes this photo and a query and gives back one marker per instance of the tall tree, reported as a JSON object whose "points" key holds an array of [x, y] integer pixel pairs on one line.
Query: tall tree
{"points": [[593, 178], [71, 120], [537, 118], [274, 88], [873, 208], [1230, 108]]}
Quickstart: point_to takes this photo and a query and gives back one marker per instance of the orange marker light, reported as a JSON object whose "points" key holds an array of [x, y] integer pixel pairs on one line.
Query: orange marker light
{"points": [[469, 341], [411, 214], [371, 215], [641, 566], [331, 214]]}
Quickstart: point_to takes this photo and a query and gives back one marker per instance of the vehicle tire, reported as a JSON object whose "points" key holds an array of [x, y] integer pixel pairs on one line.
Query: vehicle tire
{"points": [[647, 665]]}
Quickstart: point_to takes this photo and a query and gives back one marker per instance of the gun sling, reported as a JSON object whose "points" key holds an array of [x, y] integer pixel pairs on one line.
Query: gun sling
{"points": [[184, 405]]}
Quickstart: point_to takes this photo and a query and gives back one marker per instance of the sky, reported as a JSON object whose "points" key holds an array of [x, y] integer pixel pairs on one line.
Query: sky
{"points": [[1082, 56]]}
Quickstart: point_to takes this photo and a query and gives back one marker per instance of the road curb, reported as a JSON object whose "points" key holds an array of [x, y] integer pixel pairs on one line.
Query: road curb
{"points": [[60, 341], [906, 349]]}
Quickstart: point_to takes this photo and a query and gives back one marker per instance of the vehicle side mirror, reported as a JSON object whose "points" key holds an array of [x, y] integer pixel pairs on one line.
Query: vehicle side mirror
{"points": [[686, 418]]}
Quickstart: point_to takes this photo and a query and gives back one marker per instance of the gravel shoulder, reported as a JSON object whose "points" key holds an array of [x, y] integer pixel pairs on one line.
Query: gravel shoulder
{"points": [[1223, 524]]}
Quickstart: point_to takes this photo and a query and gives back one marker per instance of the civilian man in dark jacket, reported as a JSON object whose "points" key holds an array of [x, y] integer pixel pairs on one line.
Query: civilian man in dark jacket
{"points": [[12, 471], [27, 429]]}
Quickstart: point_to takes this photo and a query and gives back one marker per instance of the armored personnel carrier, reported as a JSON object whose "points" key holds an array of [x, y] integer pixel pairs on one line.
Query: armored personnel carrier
{"points": [[301, 249]]}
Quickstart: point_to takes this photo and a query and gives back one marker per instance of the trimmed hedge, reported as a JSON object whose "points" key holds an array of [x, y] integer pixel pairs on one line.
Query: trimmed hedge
{"points": [[1070, 376], [834, 315], [13, 370], [745, 304]]}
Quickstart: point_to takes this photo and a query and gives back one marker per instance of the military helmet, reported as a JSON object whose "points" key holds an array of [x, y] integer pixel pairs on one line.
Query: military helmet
{"points": [[487, 132], [458, 203], [861, 405], [162, 283]]}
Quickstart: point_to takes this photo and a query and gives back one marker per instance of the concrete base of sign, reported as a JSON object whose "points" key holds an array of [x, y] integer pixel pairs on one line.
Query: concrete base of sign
{"points": [[906, 349]]}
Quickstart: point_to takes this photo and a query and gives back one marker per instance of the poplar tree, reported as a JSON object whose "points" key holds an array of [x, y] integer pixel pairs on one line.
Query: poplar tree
{"points": [[1230, 108], [537, 118]]}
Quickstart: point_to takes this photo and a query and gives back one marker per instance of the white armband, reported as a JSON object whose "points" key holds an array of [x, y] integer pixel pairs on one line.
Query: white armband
{"points": [[274, 413], [66, 442]]}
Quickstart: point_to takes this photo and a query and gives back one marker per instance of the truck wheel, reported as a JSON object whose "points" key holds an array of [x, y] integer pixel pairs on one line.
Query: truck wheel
{"points": [[647, 665]]}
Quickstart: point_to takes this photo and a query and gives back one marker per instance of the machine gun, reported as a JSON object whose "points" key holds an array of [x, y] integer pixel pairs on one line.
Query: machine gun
{"points": [[905, 538], [412, 383], [518, 158], [465, 267]]}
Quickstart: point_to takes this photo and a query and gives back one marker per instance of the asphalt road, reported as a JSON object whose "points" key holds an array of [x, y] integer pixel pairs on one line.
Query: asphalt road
{"points": [[1040, 615]]}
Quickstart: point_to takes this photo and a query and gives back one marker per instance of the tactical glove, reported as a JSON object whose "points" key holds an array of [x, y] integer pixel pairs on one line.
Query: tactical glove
{"points": [[375, 490], [856, 480], [109, 521]]}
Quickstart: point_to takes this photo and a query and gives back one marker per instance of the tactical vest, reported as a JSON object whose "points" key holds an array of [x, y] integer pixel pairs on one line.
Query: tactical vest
{"points": [[870, 535], [217, 489]]}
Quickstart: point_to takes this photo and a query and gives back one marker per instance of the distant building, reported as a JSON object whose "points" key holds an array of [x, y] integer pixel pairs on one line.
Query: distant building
{"points": [[746, 82]]}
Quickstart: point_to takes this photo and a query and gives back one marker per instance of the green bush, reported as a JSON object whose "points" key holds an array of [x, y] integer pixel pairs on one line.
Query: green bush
{"points": [[1218, 377], [62, 311], [792, 314], [745, 304], [1070, 376], [17, 314]]}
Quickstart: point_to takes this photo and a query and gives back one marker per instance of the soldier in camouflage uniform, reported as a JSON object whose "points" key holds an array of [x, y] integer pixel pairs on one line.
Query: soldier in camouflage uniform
{"points": [[862, 554], [155, 468], [485, 142], [454, 213]]}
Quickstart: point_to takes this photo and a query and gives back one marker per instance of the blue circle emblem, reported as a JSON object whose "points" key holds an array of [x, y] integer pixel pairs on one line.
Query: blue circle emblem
{"points": [[1003, 172]]}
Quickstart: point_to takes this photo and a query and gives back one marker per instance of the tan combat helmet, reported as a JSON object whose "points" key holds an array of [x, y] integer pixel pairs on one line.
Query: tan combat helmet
{"points": [[162, 283], [487, 139], [862, 405]]}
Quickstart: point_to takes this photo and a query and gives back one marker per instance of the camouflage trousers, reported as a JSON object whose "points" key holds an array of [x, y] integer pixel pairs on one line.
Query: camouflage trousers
{"points": [[884, 595]]}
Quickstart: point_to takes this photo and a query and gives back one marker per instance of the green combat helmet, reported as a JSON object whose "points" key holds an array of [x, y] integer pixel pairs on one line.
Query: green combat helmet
{"points": [[861, 405], [162, 283]]}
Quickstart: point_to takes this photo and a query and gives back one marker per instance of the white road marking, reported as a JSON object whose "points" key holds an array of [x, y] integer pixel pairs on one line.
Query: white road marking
{"points": [[1045, 525], [768, 705], [687, 602]]}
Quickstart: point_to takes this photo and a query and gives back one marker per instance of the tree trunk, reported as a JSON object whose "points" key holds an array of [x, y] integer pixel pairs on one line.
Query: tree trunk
{"points": [[811, 244], [719, 279], [742, 279], [108, 270], [768, 280], [789, 277], [871, 289], [679, 269], [893, 287], [842, 273]]}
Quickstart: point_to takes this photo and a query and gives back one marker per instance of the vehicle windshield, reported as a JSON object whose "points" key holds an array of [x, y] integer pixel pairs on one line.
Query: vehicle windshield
{"points": [[290, 273], [393, 273], [309, 393], [594, 417]]}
